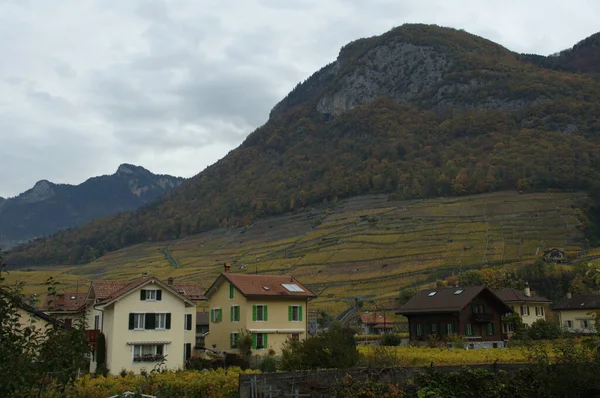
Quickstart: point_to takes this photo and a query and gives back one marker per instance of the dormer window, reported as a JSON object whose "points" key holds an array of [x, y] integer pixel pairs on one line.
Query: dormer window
{"points": [[150, 294]]}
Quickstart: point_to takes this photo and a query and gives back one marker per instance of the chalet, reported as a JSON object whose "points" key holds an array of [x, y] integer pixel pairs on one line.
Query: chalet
{"points": [[576, 312], [555, 256], [473, 312]]}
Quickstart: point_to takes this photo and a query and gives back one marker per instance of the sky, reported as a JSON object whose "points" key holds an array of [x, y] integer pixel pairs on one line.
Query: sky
{"points": [[174, 85]]}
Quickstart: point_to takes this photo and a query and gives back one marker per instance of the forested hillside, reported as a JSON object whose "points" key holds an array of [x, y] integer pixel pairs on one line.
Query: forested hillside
{"points": [[420, 111]]}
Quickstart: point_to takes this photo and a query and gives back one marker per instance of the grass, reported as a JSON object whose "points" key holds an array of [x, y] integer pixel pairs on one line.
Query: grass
{"points": [[364, 246]]}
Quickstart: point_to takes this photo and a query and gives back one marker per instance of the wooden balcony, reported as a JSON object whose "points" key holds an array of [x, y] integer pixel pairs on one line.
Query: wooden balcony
{"points": [[483, 317], [92, 335]]}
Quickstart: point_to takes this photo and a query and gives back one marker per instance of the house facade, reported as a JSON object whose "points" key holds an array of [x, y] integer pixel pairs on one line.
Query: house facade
{"points": [[146, 322], [65, 307], [576, 312], [473, 312], [375, 323], [555, 256], [531, 307], [271, 308]]}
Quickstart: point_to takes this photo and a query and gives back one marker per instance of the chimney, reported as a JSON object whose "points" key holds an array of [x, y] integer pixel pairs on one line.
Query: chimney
{"points": [[226, 267], [569, 295], [527, 290], [170, 281]]}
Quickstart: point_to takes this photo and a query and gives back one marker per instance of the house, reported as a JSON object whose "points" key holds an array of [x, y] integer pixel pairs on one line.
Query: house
{"points": [[375, 323], [273, 308], [145, 322], [28, 315], [473, 312], [65, 306], [576, 312], [530, 307], [202, 325], [555, 256]]}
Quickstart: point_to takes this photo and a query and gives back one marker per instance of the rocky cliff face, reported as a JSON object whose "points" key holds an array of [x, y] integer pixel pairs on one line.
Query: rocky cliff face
{"points": [[47, 208]]}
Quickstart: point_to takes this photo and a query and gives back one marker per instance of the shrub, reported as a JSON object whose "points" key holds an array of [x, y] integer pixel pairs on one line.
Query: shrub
{"points": [[544, 330], [335, 348], [268, 364], [389, 339]]}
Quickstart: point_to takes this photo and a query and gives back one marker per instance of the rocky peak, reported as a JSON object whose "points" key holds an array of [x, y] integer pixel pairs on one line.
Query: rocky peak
{"points": [[130, 169], [42, 190]]}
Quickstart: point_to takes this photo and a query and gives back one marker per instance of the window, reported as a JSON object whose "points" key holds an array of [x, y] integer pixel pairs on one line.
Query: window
{"points": [[525, 310], [539, 311], [139, 321], [569, 324], [432, 294], [233, 340], [490, 329], [509, 328], [469, 330], [216, 315], [434, 328], [295, 313], [419, 330], [585, 323], [478, 308], [259, 312], [148, 353], [150, 295], [187, 351], [231, 291], [187, 322], [292, 287], [97, 322], [160, 321], [459, 291], [450, 328], [259, 340], [234, 313], [296, 336]]}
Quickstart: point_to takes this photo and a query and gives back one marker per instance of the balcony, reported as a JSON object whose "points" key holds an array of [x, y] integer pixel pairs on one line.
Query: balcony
{"points": [[482, 317], [92, 335]]}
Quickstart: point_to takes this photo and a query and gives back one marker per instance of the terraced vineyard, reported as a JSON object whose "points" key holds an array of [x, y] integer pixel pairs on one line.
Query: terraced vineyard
{"points": [[366, 246]]}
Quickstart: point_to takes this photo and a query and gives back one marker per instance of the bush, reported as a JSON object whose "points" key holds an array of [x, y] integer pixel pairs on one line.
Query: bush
{"points": [[268, 364], [544, 330], [335, 348], [389, 339]]}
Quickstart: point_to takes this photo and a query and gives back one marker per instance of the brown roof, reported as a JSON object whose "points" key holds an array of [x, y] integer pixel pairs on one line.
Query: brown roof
{"points": [[108, 290], [65, 302], [448, 299], [579, 302], [514, 295], [18, 301], [371, 317], [262, 285]]}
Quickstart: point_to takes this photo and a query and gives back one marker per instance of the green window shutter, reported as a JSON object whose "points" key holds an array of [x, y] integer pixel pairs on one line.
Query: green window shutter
{"points": [[230, 291], [485, 308], [466, 329], [230, 340], [290, 309], [231, 313], [265, 341], [254, 312], [493, 328], [254, 340], [212, 316], [220, 315], [265, 317], [488, 328], [473, 308], [300, 312]]}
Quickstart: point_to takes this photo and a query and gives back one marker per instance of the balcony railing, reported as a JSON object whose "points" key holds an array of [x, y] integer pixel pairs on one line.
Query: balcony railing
{"points": [[482, 317], [92, 335]]}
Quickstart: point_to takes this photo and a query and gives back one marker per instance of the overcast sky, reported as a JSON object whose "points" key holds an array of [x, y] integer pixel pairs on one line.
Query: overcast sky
{"points": [[86, 85]]}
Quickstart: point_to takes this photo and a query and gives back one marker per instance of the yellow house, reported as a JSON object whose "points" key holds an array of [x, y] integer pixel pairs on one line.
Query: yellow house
{"points": [[145, 322], [576, 312], [531, 307], [273, 308]]}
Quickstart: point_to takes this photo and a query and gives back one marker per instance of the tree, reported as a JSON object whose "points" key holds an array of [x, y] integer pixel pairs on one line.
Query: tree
{"points": [[519, 327], [101, 355], [406, 294], [544, 330], [470, 278]]}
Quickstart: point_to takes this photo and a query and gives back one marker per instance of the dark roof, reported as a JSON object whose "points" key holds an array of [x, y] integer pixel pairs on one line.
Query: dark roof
{"points": [[251, 285], [202, 318], [579, 302], [514, 295], [446, 300]]}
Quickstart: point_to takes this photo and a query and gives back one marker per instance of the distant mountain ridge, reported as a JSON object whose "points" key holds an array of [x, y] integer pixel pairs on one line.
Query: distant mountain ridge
{"points": [[48, 208], [420, 111]]}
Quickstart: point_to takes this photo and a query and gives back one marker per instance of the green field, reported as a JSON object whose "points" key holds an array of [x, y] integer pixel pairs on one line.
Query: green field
{"points": [[365, 246]]}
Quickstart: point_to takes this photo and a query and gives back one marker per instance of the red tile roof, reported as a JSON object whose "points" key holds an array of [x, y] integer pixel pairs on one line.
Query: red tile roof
{"points": [[107, 290], [64, 302], [263, 285], [371, 317]]}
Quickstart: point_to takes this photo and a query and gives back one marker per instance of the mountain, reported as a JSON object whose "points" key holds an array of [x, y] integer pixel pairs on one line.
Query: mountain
{"points": [[420, 111], [47, 207]]}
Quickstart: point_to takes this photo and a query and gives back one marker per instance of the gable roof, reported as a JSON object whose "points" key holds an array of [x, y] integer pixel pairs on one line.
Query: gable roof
{"points": [[108, 291], [445, 300], [250, 285], [18, 302], [579, 302], [509, 295], [65, 302]]}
